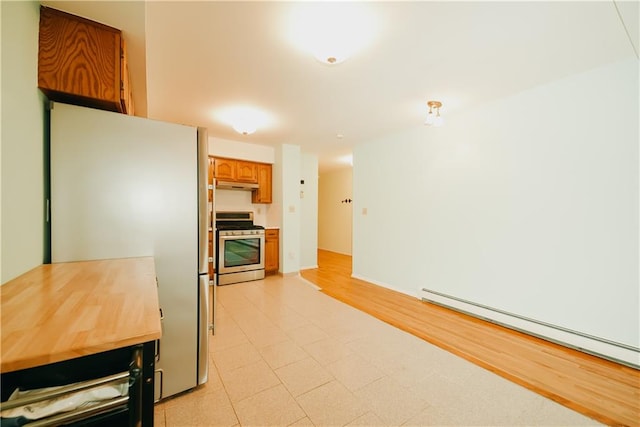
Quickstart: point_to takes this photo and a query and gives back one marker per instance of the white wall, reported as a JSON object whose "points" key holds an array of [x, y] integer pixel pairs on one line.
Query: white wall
{"points": [[528, 205], [290, 231], [334, 217], [237, 200], [241, 150], [274, 213], [22, 227], [309, 211]]}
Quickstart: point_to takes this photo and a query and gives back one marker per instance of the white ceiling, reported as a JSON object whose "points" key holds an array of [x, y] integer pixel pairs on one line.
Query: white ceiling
{"points": [[190, 59]]}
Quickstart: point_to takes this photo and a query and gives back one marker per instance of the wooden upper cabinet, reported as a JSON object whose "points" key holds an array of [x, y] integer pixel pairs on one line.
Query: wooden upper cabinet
{"points": [[235, 170], [246, 171], [82, 62], [264, 193], [225, 169]]}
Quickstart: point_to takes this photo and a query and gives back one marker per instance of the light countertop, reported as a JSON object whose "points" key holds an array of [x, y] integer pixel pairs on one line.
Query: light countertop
{"points": [[62, 311]]}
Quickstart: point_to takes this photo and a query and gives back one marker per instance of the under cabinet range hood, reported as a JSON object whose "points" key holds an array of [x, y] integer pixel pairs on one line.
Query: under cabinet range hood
{"points": [[231, 185]]}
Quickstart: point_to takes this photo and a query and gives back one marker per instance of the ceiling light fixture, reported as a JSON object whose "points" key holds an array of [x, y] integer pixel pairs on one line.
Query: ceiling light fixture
{"points": [[244, 119], [244, 127], [331, 31], [434, 119]]}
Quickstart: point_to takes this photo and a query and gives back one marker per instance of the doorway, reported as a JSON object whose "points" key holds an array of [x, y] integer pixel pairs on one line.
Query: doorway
{"points": [[335, 211]]}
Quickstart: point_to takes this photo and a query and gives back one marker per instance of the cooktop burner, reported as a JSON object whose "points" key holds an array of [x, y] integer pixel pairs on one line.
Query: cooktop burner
{"points": [[236, 226], [236, 221]]}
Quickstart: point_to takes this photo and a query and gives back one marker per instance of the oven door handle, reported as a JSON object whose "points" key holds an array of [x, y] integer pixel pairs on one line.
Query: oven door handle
{"points": [[242, 237]]}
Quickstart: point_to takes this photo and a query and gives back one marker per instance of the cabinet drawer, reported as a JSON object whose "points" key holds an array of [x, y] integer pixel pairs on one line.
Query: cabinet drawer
{"points": [[271, 234]]}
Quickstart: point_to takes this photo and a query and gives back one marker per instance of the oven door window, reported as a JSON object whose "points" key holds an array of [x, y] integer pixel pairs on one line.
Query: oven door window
{"points": [[240, 252]]}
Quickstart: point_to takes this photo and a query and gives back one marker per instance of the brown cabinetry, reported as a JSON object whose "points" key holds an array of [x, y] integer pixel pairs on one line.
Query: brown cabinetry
{"points": [[224, 169], [271, 251], [235, 170], [232, 170], [246, 172], [82, 62], [264, 192]]}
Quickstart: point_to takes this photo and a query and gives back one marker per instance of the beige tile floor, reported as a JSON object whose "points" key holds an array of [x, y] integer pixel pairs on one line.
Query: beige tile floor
{"points": [[285, 354]]}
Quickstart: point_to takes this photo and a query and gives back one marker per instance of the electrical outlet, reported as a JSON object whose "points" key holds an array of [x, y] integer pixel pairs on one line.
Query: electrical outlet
{"points": [[292, 208], [364, 211]]}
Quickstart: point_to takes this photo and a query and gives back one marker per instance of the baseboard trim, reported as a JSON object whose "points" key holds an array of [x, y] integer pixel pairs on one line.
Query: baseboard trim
{"points": [[289, 274], [335, 252], [616, 352], [384, 285]]}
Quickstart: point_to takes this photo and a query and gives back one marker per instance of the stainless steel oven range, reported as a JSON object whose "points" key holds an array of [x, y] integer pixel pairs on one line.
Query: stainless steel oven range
{"points": [[240, 249]]}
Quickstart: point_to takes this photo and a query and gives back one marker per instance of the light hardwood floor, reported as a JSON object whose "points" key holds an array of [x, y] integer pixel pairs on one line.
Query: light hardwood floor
{"points": [[600, 389]]}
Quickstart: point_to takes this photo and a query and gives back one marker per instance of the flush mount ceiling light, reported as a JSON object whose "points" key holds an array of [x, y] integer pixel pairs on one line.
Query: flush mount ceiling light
{"points": [[244, 126], [244, 119], [433, 115], [331, 31]]}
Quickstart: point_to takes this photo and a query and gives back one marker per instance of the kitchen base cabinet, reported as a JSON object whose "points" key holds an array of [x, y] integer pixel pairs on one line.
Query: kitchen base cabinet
{"points": [[85, 326], [131, 367], [271, 251]]}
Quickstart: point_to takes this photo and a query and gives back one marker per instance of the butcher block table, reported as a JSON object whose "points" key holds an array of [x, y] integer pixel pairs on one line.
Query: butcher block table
{"points": [[70, 317]]}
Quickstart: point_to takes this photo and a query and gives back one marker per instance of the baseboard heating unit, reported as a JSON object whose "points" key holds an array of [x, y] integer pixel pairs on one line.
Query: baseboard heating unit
{"points": [[617, 352]]}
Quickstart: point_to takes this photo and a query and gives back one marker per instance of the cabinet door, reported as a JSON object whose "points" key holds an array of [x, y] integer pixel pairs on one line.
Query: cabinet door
{"points": [[264, 193], [246, 172], [272, 251], [225, 169], [79, 61]]}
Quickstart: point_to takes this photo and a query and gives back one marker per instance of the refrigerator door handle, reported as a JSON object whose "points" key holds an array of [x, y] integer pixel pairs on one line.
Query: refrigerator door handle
{"points": [[159, 385], [203, 203], [203, 328]]}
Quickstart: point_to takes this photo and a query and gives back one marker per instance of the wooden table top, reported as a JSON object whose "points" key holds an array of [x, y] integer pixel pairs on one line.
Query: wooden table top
{"points": [[62, 311]]}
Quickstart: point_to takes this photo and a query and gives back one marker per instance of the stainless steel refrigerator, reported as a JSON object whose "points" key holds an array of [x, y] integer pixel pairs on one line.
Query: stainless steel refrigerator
{"points": [[124, 186]]}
